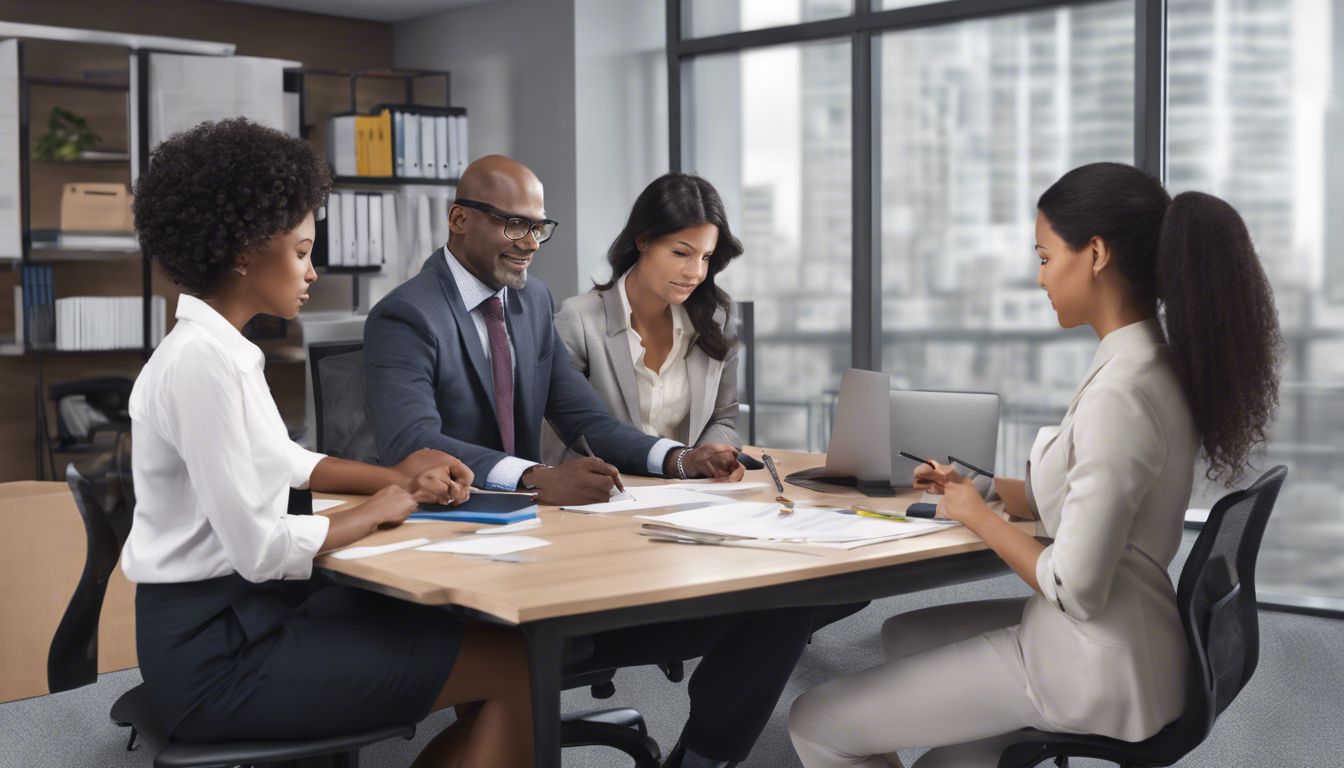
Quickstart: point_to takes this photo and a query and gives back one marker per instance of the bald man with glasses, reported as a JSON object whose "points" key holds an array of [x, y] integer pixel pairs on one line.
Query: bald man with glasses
{"points": [[465, 358]]}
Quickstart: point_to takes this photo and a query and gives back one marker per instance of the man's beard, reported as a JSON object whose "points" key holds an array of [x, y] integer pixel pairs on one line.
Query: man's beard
{"points": [[509, 278]]}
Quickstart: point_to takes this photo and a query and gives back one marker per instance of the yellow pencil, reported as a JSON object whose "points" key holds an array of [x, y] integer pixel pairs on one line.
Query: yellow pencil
{"points": [[892, 516]]}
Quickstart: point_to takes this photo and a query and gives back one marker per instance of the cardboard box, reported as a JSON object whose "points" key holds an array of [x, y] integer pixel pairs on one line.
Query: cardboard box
{"points": [[93, 207], [41, 559]]}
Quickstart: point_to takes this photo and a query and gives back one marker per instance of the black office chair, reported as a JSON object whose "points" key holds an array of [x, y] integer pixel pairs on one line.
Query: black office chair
{"points": [[342, 431], [90, 415], [338, 401], [1216, 598], [72, 661]]}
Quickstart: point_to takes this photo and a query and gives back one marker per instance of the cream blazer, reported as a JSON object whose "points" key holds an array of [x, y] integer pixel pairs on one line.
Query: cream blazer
{"points": [[1103, 645], [593, 326]]}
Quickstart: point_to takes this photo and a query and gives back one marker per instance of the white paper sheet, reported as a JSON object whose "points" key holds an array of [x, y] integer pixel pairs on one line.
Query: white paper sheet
{"points": [[322, 505], [492, 546], [521, 525], [356, 553], [708, 487], [650, 497], [812, 525]]}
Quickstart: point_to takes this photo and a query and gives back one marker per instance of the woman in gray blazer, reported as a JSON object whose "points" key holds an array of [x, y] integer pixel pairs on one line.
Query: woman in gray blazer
{"points": [[1189, 359], [653, 339]]}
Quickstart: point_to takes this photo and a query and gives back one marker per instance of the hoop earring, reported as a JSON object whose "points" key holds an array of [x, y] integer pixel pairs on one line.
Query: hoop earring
{"points": [[239, 271]]}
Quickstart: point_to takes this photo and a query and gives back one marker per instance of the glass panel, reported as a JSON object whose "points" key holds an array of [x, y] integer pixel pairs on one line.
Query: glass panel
{"points": [[977, 120], [770, 128], [703, 18], [1254, 117]]}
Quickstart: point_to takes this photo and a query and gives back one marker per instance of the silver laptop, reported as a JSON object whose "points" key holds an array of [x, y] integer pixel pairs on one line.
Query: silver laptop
{"points": [[935, 425]]}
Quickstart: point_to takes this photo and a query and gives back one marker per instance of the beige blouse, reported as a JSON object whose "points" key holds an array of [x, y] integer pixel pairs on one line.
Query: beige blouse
{"points": [[665, 394]]}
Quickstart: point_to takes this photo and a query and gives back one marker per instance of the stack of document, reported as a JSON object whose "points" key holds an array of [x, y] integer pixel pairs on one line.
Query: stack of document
{"points": [[361, 229], [827, 527], [402, 140], [107, 322]]}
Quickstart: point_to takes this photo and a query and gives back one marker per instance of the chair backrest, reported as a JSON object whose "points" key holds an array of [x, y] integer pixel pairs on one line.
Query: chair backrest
{"points": [[1216, 599], [72, 660], [746, 385], [338, 401]]}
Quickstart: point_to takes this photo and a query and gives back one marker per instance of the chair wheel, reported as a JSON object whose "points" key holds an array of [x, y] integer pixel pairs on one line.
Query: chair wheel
{"points": [[1062, 761], [603, 690]]}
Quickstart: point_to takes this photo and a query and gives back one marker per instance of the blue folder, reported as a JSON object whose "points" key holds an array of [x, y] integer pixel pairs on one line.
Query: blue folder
{"points": [[487, 508]]}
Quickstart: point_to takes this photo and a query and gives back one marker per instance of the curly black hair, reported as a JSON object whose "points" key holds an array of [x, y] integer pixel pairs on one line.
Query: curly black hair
{"points": [[219, 189], [1193, 257]]}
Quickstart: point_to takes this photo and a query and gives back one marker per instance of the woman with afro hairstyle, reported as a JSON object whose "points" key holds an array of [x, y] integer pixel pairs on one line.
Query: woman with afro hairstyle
{"points": [[1188, 363], [237, 639]]}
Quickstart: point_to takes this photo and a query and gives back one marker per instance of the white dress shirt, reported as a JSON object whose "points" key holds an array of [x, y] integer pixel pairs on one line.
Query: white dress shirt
{"points": [[1103, 646], [665, 394], [214, 463], [504, 476]]}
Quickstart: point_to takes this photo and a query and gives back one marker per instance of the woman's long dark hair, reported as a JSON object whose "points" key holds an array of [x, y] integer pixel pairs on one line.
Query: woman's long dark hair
{"points": [[1193, 257], [671, 203]]}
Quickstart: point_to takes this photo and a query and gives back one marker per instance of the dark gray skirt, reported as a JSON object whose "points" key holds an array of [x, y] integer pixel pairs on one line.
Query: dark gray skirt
{"points": [[228, 660]]}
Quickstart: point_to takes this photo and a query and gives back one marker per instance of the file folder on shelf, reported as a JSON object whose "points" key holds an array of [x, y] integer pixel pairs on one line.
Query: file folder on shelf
{"points": [[361, 230], [442, 152], [413, 170], [348, 239], [375, 203], [341, 144], [429, 166], [333, 223]]}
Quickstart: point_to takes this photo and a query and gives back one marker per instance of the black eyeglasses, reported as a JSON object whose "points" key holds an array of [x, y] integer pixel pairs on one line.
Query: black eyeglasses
{"points": [[515, 227]]}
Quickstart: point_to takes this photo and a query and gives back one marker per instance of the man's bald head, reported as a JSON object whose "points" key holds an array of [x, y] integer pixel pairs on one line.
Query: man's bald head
{"points": [[476, 238], [495, 178]]}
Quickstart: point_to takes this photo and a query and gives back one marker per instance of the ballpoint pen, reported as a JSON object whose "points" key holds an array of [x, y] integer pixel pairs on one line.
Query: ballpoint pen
{"points": [[770, 465], [913, 457], [580, 446], [892, 516]]}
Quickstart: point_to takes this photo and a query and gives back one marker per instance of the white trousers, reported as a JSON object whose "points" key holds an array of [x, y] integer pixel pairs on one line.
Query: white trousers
{"points": [[953, 680]]}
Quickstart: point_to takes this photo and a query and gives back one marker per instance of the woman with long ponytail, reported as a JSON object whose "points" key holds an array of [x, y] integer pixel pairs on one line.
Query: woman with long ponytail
{"points": [[1188, 365]]}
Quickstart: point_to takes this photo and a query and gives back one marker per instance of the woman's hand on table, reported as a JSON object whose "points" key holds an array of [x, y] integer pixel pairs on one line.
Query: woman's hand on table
{"points": [[434, 477]]}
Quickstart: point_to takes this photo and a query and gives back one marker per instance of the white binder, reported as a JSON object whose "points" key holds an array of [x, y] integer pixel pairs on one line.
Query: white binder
{"points": [[442, 149], [399, 143], [341, 145], [463, 155], [361, 230], [348, 241], [391, 235], [334, 230], [429, 167], [375, 203], [413, 147]]}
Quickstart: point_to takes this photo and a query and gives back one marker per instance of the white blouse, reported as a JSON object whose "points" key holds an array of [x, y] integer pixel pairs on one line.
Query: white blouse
{"points": [[214, 463], [664, 395]]}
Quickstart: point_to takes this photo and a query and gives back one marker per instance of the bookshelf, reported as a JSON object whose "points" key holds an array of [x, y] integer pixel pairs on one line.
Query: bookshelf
{"points": [[296, 79]]}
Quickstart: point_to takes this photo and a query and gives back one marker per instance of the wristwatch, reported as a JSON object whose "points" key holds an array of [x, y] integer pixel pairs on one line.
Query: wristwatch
{"points": [[523, 484]]}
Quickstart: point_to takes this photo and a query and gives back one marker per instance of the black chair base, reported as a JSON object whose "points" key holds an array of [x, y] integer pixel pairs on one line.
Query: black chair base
{"points": [[621, 728], [135, 709], [1037, 747]]}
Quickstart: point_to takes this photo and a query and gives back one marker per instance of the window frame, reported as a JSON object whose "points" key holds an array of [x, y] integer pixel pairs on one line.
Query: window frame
{"points": [[863, 29]]}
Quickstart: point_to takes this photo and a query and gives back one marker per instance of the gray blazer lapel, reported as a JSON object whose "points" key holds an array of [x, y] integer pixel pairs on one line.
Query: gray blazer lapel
{"points": [[703, 391], [618, 350], [466, 326]]}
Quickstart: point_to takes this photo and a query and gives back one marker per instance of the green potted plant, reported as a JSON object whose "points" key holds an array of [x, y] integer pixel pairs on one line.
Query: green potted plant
{"points": [[67, 136]]}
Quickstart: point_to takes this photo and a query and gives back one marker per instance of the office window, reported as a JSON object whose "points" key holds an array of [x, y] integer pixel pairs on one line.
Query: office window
{"points": [[770, 128], [1255, 117], [703, 18], [977, 119]]}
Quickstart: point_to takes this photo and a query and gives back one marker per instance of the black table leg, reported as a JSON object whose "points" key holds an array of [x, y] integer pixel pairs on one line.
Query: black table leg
{"points": [[544, 656]]}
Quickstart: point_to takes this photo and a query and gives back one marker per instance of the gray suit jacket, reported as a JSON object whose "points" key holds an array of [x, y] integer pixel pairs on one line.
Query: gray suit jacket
{"points": [[429, 385], [593, 326]]}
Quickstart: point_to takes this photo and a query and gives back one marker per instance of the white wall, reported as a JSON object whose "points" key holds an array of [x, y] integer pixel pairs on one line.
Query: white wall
{"points": [[575, 90], [620, 118], [512, 65]]}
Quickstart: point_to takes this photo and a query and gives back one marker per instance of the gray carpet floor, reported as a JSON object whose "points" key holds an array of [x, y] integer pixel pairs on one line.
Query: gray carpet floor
{"points": [[1290, 715]]}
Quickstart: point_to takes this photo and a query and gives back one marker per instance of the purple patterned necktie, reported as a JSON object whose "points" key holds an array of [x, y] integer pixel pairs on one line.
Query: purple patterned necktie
{"points": [[501, 361]]}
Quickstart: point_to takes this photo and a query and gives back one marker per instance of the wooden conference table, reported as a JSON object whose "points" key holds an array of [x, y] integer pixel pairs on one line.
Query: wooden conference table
{"points": [[598, 574]]}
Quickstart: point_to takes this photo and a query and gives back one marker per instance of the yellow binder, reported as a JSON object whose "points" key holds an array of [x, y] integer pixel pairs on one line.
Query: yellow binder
{"points": [[380, 144], [363, 130]]}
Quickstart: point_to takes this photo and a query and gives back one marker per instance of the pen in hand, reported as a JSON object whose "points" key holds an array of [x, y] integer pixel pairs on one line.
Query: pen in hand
{"points": [[580, 446]]}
